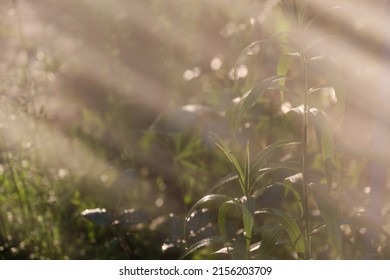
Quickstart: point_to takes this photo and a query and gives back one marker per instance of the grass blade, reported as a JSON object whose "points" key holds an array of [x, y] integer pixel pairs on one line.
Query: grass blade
{"points": [[269, 242], [228, 178], [287, 189], [263, 156], [207, 198], [290, 226], [250, 98], [203, 243], [334, 77], [232, 159], [247, 171], [325, 138]]}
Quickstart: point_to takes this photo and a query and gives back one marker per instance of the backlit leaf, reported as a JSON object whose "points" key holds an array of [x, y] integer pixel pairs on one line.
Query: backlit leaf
{"points": [[335, 79], [290, 226], [212, 241], [247, 171], [325, 138], [250, 98], [232, 159], [260, 160], [270, 237], [284, 64], [211, 197], [207, 198], [228, 178], [247, 217], [287, 189]]}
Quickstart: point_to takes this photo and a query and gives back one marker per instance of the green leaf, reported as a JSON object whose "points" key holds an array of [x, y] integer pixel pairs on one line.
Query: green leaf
{"points": [[250, 203], [290, 226], [222, 215], [284, 64], [328, 167], [247, 217], [287, 188], [250, 98], [334, 77], [264, 155], [228, 178], [232, 159], [325, 138], [259, 163], [210, 197], [324, 133], [203, 243], [248, 223], [247, 171], [207, 198], [273, 166], [289, 165], [269, 241], [296, 195], [329, 216]]}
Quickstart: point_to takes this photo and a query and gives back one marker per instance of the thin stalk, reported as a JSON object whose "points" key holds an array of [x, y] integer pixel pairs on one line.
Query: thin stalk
{"points": [[305, 125]]}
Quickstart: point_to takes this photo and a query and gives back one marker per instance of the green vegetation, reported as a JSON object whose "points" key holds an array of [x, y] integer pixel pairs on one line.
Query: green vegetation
{"points": [[192, 130]]}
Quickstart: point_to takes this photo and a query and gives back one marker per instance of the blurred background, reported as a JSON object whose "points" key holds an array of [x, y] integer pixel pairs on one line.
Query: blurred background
{"points": [[107, 106]]}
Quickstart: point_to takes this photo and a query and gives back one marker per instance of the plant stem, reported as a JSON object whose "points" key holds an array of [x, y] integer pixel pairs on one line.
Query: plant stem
{"points": [[305, 125], [305, 161]]}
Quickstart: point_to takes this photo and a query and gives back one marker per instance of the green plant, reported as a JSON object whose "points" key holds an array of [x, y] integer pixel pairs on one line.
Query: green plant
{"points": [[248, 176], [257, 237]]}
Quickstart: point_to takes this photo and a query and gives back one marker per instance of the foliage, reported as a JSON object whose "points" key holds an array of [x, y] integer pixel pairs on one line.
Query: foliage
{"points": [[296, 57], [147, 130]]}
